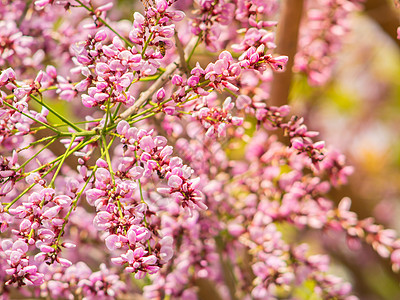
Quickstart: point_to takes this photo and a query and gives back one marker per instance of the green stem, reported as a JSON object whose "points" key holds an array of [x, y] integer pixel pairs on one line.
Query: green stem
{"points": [[63, 125], [143, 118], [151, 78], [78, 196], [103, 138], [56, 113], [23, 15], [50, 88], [154, 107], [38, 152], [32, 118], [107, 154], [38, 142], [146, 43], [60, 164], [27, 190], [78, 147], [150, 109], [107, 113], [142, 200], [116, 111], [194, 48], [19, 196], [73, 205], [230, 92]]}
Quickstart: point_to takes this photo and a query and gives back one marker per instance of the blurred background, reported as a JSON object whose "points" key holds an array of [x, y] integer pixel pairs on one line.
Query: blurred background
{"points": [[358, 112]]}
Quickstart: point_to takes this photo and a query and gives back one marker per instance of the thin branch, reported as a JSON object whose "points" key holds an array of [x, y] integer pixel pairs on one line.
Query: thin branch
{"points": [[181, 52], [286, 40]]}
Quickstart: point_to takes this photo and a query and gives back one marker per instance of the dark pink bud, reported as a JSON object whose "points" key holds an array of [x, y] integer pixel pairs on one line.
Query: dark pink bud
{"points": [[177, 80], [101, 163], [319, 145], [102, 68], [82, 85], [46, 249], [122, 127], [112, 242], [160, 95], [88, 101], [161, 5], [297, 143], [147, 143], [177, 15], [118, 43], [109, 51], [64, 262], [136, 172], [52, 212], [51, 71], [254, 58], [243, 101], [193, 81]]}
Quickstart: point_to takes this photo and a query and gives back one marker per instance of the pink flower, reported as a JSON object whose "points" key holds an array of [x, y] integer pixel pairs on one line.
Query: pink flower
{"points": [[174, 181]]}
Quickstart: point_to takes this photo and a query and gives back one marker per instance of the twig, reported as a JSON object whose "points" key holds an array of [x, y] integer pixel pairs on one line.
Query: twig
{"points": [[181, 52], [287, 36], [144, 96]]}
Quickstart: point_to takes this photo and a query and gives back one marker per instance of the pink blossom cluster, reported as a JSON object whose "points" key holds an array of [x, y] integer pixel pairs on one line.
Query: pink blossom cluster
{"points": [[78, 279], [154, 157], [216, 120], [16, 118], [321, 36], [209, 18], [16, 46]]}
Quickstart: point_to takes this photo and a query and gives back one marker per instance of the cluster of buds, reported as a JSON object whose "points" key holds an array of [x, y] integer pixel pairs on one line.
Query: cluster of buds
{"points": [[78, 279], [217, 120], [321, 36], [20, 269], [151, 155], [9, 173], [209, 20], [155, 29], [125, 222], [42, 224]]}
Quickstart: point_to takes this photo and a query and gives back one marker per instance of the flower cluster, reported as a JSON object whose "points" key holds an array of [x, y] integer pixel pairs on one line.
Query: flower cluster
{"points": [[155, 29], [41, 223], [16, 121], [216, 120], [153, 156], [78, 279], [113, 72], [211, 17], [16, 47], [321, 37], [20, 270]]}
